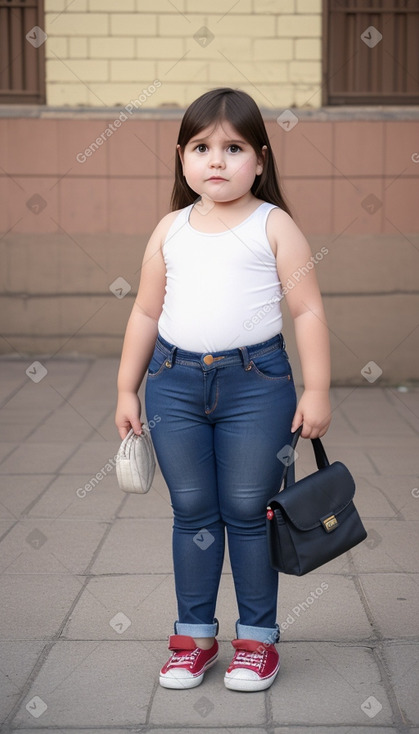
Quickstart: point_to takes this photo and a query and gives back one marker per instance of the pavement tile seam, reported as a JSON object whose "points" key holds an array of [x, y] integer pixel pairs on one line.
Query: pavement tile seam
{"points": [[102, 541], [373, 464], [404, 411], [6, 533], [148, 730], [64, 399], [377, 646], [151, 703], [61, 467], [14, 391], [352, 685], [109, 416], [338, 400], [400, 718], [365, 605], [25, 512], [118, 574], [67, 402], [376, 482], [159, 729], [58, 469], [401, 667], [43, 655], [9, 454], [50, 644], [396, 510]]}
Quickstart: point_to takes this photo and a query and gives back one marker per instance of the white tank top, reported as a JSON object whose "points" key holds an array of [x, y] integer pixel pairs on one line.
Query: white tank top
{"points": [[222, 290]]}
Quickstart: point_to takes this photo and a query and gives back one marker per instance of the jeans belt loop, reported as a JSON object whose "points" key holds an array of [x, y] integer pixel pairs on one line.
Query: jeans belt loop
{"points": [[245, 357], [171, 357]]}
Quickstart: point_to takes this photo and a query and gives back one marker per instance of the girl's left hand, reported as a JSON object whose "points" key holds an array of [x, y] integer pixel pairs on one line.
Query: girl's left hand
{"points": [[314, 412]]}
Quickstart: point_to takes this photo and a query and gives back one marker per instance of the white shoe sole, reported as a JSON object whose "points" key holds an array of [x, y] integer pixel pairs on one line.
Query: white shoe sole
{"points": [[188, 682], [243, 684]]}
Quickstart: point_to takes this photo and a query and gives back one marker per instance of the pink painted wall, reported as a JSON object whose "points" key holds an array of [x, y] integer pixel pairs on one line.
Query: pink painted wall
{"points": [[70, 230], [354, 175]]}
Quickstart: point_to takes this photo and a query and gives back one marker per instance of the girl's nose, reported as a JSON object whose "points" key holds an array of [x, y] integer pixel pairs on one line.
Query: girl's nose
{"points": [[217, 161]]}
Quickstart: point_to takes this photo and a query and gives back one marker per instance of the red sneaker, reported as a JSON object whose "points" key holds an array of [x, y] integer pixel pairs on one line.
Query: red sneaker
{"points": [[254, 666], [188, 663]]}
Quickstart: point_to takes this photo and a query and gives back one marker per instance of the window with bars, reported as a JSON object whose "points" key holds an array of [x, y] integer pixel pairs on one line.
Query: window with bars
{"points": [[370, 52], [22, 52]]}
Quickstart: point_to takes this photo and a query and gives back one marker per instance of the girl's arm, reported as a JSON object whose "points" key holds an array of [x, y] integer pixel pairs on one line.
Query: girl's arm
{"points": [[141, 332], [296, 271]]}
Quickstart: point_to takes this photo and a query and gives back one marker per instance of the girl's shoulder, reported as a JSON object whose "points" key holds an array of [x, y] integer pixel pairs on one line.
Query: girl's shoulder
{"points": [[280, 228], [279, 216], [165, 224]]}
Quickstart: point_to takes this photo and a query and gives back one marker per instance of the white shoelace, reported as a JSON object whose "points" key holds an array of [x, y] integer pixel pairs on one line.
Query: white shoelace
{"points": [[184, 657], [254, 659]]}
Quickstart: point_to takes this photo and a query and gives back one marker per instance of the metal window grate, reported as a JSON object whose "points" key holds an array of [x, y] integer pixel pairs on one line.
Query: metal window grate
{"points": [[370, 52], [22, 61]]}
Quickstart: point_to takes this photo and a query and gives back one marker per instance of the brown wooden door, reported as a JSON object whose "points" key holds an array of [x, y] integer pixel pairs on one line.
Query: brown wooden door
{"points": [[370, 52], [22, 52]]}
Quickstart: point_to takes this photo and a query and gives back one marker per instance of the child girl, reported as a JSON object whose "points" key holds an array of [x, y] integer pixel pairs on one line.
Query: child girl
{"points": [[206, 327]]}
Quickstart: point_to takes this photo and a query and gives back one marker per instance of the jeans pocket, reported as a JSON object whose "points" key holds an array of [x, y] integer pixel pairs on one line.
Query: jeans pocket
{"points": [[272, 366], [157, 363]]}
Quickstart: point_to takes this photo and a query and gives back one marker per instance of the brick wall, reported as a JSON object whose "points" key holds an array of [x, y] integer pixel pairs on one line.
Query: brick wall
{"points": [[103, 53], [72, 234]]}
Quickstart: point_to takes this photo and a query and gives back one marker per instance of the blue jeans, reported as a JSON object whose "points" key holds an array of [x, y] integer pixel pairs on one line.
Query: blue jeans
{"points": [[224, 418]]}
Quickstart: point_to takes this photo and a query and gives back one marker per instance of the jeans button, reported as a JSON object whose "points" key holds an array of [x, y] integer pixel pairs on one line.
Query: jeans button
{"points": [[167, 363], [208, 359]]}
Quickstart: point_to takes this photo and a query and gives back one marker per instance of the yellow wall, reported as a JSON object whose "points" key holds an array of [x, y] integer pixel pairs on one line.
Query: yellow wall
{"points": [[106, 53]]}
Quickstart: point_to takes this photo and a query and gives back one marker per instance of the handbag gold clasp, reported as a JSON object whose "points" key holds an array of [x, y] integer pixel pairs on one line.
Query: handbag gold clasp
{"points": [[329, 523]]}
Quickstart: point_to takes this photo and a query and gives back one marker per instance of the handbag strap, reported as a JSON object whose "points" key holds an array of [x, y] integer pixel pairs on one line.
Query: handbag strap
{"points": [[322, 461]]}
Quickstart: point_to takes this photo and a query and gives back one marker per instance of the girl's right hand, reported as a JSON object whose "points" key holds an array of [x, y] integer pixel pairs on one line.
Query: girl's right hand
{"points": [[128, 414]]}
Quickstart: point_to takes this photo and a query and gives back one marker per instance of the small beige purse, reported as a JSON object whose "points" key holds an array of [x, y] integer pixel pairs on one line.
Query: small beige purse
{"points": [[135, 463]]}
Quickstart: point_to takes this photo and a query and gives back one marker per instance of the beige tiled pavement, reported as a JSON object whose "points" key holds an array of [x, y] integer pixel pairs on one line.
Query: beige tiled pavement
{"points": [[87, 586]]}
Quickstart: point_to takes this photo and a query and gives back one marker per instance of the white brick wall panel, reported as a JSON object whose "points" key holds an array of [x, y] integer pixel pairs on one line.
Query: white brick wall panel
{"points": [[305, 71], [308, 48], [77, 24], [159, 48], [130, 71], [133, 24], [275, 49], [298, 26], [78, 48], [219, 7], [112, 48]]}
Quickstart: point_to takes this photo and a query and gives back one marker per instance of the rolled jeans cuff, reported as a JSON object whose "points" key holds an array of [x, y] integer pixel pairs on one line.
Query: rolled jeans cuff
{"points": [[267, 635], [196, 630]]}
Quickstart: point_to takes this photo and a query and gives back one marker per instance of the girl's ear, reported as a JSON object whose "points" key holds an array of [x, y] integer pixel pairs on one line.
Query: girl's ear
{"points": [[261, 161], [179, 150]]}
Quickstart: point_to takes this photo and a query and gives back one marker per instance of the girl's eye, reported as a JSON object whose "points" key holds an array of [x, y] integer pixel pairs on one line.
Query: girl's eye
{"points": [[201, 148], [234, 148]]}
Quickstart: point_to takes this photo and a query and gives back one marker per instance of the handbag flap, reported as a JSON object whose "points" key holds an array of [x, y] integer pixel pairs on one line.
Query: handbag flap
{"points": [[326, 492]]}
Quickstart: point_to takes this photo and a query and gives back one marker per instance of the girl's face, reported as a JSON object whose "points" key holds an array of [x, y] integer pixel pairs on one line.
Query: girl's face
{"points": [[220, 164]]}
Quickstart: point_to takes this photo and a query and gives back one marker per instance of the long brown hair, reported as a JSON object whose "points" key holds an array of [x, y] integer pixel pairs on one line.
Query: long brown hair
{"points": [[242, 112]]}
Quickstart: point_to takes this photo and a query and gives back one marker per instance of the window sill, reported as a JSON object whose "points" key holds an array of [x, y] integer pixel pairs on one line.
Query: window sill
{"points": [[320, 114]]}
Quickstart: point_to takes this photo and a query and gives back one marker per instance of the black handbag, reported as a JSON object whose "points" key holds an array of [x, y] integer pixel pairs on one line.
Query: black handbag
{"points": [[314, 520]]}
